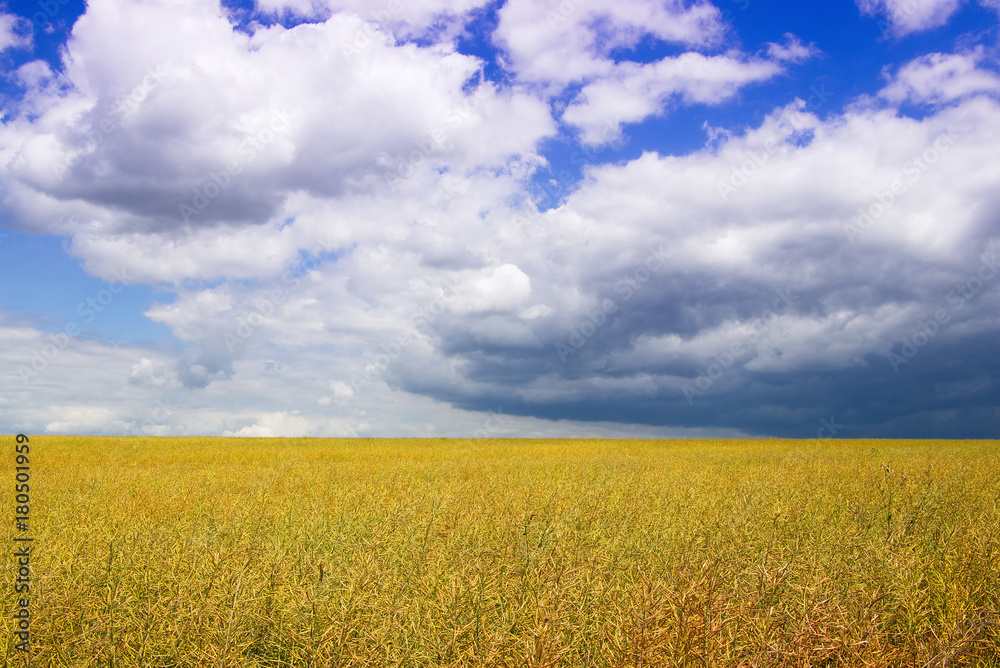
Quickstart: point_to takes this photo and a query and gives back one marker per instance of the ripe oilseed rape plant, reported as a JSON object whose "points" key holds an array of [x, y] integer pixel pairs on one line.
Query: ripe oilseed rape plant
{"points": [[482, 552]]}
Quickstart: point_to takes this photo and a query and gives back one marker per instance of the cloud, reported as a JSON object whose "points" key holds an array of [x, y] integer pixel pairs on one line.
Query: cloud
{"points": [[78, 419], [939, 78], [906, 17], [633, 91], [220, 154], [503, 288], [273, 425], [425, 19], [15, 32], [865, 265], [558, 44], [793, 51], [911, 16], [149, 373], [576, 42], [858, 282]]}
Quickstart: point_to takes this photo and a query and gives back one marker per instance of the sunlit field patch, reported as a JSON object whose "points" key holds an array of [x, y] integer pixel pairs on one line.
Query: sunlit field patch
{"points": [[405, 552]]}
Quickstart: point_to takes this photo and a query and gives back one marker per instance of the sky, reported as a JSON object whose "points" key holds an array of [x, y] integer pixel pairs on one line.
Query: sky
{"points": [[521, 218]]}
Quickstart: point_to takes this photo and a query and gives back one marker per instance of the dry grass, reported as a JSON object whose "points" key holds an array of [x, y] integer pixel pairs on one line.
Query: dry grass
{"points": [[302, 552]]}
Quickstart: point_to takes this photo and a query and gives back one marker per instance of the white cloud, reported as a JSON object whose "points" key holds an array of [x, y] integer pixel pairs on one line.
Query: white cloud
{"points": [[905, 17], [341, 390], [289, 425], [557, 44], [15, 32], [793, 51], [554, 46], [790, 231], [500, 288], [634, 91], [149, 373], [940, 78], [437, 18], [186, 157], [77, 419], [911, 16]]}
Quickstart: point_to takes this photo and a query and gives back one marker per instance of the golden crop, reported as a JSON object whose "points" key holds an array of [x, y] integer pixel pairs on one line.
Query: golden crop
{"points": [[404, 552]]}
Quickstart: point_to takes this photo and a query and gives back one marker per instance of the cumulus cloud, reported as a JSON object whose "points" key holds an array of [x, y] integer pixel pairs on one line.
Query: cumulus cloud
{"points": [[911, 16], [905, 17], [423, 18], [633, 91], [558, 44], [196, 137], [864, 255], [792, 51], [940, 78], [575, 42], [149, 373], [498, 289]]}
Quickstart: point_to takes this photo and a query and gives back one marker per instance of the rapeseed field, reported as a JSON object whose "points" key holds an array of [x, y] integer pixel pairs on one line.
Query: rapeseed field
{"points": [[156, 552]]}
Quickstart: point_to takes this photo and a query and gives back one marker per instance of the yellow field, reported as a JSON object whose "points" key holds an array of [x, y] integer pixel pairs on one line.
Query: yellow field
{"points": [[383, 552]]}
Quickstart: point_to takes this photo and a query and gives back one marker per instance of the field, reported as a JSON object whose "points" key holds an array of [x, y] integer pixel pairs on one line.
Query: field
{"points": [[383, 552]]}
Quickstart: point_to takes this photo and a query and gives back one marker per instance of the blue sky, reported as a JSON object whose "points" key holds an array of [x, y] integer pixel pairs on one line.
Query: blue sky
{"points": [[466, 218]]}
